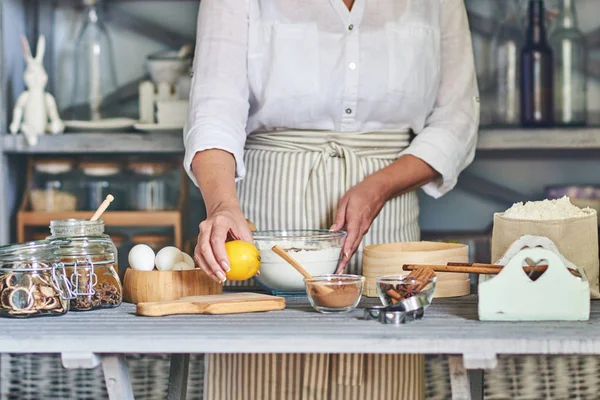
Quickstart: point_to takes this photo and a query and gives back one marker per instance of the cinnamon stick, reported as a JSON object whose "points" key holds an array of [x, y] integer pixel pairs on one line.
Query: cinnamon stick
{"points": [[422, 275], [393, 294], [477, 268]]}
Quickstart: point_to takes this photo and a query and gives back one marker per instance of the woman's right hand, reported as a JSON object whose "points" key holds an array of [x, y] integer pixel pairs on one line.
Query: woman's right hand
{"points": [[210, 252]]}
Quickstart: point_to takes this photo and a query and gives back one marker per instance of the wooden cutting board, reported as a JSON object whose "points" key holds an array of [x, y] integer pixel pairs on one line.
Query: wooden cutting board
{"points": [[229, 303]]}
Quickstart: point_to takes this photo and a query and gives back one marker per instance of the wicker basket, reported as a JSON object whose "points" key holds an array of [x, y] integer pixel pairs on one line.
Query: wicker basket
{"points": [[41, 376]]}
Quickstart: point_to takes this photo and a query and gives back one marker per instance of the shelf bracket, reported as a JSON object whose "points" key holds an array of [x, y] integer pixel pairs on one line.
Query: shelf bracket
{"points": [[488, 190]]}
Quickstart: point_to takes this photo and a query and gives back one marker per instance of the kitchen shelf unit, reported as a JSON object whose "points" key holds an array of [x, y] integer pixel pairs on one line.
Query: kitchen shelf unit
{"points": [[490, 140], [89, 143], [28, 219]]}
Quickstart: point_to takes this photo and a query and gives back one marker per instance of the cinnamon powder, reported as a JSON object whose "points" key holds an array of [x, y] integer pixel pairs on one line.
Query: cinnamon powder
{"points": [[341, 296]]}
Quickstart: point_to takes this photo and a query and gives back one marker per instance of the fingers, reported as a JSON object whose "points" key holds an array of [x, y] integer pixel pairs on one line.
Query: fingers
{"points": [[206, 252], [353, 236], [340, 215], [199, 260], [217, 244]]}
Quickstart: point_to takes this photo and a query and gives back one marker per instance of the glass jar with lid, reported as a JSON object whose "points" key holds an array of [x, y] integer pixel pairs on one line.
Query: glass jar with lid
{"points": [[155, 186], [100, 179], [33, 281], [90, 260], [53, 186]]}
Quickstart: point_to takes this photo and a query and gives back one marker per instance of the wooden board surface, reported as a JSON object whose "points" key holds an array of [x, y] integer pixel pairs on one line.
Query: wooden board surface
{"points": [[229, 303]]}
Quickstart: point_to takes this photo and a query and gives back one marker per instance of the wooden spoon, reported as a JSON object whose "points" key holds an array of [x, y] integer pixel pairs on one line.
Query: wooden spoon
{"points": [[323, 290], [102, 207]]}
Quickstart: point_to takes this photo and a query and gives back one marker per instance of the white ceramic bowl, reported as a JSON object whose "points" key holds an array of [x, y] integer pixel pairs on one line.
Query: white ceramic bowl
{"points": [[167, 67], [318, 251]]}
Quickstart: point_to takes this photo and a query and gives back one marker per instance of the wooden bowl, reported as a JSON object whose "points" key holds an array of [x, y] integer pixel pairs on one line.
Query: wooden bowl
{"points": [[151, 286], [388, 259]]}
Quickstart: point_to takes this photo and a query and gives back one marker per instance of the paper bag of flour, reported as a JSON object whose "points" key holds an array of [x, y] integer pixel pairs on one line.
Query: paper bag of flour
{"points": [[576, 239]]}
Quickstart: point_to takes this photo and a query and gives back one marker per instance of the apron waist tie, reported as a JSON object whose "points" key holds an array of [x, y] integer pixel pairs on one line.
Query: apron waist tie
{"points": [[382, 145], [348, 146]]}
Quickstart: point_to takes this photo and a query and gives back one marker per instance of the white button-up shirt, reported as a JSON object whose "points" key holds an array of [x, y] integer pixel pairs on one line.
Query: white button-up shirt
{"points": [[263, 65]]}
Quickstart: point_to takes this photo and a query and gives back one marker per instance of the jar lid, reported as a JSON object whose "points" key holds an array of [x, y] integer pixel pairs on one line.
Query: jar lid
{"points": [[152, 239], [53, 166], [149, 168], [76, 227], [38, 254], [100, 168]]}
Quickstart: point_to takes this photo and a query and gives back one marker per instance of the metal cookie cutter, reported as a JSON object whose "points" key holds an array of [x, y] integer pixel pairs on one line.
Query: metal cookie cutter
{"points": [[401, 317], [407, 310], [373, 313]]}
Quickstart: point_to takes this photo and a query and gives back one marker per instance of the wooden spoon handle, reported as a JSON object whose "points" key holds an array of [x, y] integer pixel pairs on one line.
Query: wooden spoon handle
{"points": [[102, 207], [282, 253]]}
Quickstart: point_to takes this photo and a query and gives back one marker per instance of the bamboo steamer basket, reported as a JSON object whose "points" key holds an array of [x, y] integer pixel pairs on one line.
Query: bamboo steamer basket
{"points": [[388, 259], [152, 286]]}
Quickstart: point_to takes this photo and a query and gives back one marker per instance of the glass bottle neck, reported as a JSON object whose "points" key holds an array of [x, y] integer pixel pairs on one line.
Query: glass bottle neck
{"points": [[93, 11], [567, 18], [536, 30]]}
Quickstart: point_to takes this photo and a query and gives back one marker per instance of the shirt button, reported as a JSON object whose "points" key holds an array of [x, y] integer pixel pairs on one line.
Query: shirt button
{"points": [[350, 27], [348, 111], [352, 66]]}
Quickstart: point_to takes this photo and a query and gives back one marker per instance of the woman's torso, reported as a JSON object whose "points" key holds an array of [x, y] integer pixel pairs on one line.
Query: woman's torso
{"points": [[316, 65]]}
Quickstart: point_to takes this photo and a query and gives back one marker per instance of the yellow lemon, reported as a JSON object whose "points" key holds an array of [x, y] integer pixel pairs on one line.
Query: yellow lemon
{"points": [[244, 260]]}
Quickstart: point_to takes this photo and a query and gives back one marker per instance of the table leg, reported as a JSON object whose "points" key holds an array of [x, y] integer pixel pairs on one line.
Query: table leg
{"points": [[476, 378], [116, 376], [459, 379], [178, 377]]}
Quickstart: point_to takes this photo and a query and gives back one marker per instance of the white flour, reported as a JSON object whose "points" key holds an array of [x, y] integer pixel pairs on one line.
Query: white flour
{"points": [[546, 210], [277, 274]]}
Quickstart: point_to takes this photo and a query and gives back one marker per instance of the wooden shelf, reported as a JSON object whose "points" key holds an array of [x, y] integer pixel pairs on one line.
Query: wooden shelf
{"points": [[539, 139], [90, 143], [114, 218], [173, 219], [490, 139]]}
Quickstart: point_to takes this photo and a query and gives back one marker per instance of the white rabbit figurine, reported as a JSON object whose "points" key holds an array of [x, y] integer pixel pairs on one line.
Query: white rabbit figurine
{"points": [[34, 106]]}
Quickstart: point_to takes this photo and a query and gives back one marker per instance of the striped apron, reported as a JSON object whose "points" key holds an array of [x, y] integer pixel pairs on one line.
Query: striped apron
{"points": [[294, 180]]}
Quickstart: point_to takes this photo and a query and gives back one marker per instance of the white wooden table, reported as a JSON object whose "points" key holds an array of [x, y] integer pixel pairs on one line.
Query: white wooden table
{"points": [[450, 327]]}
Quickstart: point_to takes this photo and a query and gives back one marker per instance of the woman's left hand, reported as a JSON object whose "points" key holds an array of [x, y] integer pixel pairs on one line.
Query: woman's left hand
{"points": [[356, 211]]}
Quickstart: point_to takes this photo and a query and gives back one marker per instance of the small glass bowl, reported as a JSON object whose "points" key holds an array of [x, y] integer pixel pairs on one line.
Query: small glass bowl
{"points": [[334, 293], [404, 286]]}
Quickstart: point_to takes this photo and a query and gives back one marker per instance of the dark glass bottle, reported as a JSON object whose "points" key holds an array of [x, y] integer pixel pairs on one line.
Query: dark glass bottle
{"points": [[537, 80]]}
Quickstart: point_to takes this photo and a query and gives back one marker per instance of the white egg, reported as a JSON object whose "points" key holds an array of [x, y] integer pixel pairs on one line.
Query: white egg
{"points": [[167, 257], [141, 257], [182, 266], [188, 259]]}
